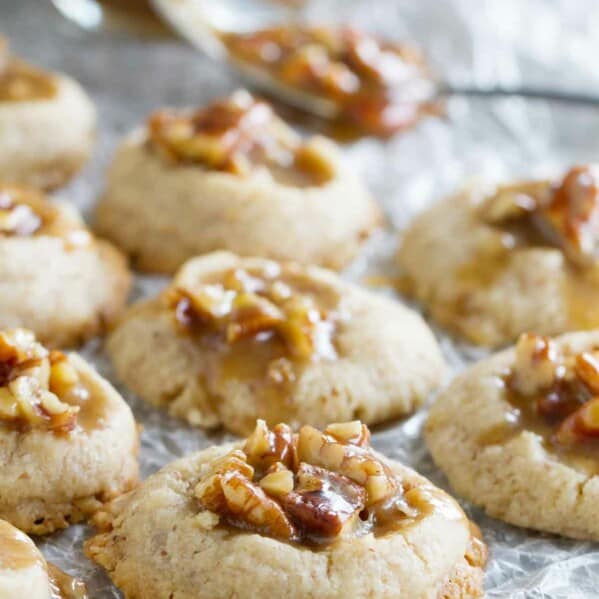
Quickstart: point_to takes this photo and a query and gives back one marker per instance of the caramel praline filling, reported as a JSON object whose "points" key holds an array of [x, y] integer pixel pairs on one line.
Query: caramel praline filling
{"points": [[37, 386], [26, 213], [564, 214], [17, 219], [237, 135], [556, 393], [378, 85], [265, 305], [20, 81], [309, 487]]}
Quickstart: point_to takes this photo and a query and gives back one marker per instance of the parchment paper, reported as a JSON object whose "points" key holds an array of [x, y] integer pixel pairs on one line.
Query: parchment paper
{"points": [[508, 42]]}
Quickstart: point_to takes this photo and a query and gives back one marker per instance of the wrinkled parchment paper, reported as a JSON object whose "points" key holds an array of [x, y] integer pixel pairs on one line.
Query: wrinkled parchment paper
{"points": [[485, 43]]}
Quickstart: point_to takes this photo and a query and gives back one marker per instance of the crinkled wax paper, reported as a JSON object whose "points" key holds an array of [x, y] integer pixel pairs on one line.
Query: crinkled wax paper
{"points": [[470, 42]]}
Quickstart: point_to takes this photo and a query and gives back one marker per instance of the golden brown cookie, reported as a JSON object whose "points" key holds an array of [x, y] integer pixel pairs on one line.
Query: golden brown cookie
{"points": [[47, 124], [306, 515], [68, 441], [234, 339], [491, 264], [24, 573], [232, 176], [55, 277], [518, 434]]}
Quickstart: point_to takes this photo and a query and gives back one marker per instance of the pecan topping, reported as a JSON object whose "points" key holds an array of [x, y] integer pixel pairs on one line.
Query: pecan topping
{"points": [[17, 219], [20, 81], [236, 135], [25, 213], [378, 85], [312, 487], [324, 503], [562, 388], [565, 214], [572, 214], [257, 305], [33, 384]]}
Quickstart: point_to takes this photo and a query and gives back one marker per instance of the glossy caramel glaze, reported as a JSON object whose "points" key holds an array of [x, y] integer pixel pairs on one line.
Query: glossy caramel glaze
{"points": [[20, 82], [274, 344], [63, 586], [554, 395], [378, 86], [539, 214], [17, 550], [44, 390], [316, 488], [25, 212], [238, 135]]}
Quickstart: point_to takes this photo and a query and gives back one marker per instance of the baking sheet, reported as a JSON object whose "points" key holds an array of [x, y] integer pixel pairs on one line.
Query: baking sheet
{"points": [[504, 42]]}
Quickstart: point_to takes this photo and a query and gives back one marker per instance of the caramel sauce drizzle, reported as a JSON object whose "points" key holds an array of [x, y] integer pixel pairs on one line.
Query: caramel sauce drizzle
{"points": [[562, 410], [266, 347], [17, 551], [315, 488], [237, 135], [43, 390], [63, 586]]}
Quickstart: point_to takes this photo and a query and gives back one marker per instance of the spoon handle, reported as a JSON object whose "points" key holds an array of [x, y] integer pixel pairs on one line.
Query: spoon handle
{"points": [[534, 93]]}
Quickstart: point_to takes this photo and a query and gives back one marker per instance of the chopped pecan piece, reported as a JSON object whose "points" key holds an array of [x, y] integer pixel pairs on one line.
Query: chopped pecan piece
{"points": [[352, 461], [538, 364], [256, 305], [353, 432], [248, 501], [324, 503], [566, 214], [252, 314], [265, 447], [337, 487], [229, 492], [572, 214], [31, 382], [17, 220], [580, 426], [278, 481], [512, 202], [235, 135], [558, 385], [586, 366], [380, 86]]}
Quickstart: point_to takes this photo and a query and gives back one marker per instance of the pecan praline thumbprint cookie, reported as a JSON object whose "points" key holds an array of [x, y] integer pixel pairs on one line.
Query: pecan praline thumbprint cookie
{"points": [[25, 574], [55, 277], [232, 176], [523, 427], [47, 124], [289, 515], [68, 441], [234, 339], [525, 257]]}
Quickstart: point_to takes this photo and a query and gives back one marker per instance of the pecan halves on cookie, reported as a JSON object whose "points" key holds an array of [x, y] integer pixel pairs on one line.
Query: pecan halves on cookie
{"points": [[537, 365], [228, 491], [581, 426], [324, 504], [250, 503], [352, 461], [266, 447], [32, 382], [571, 217]]}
